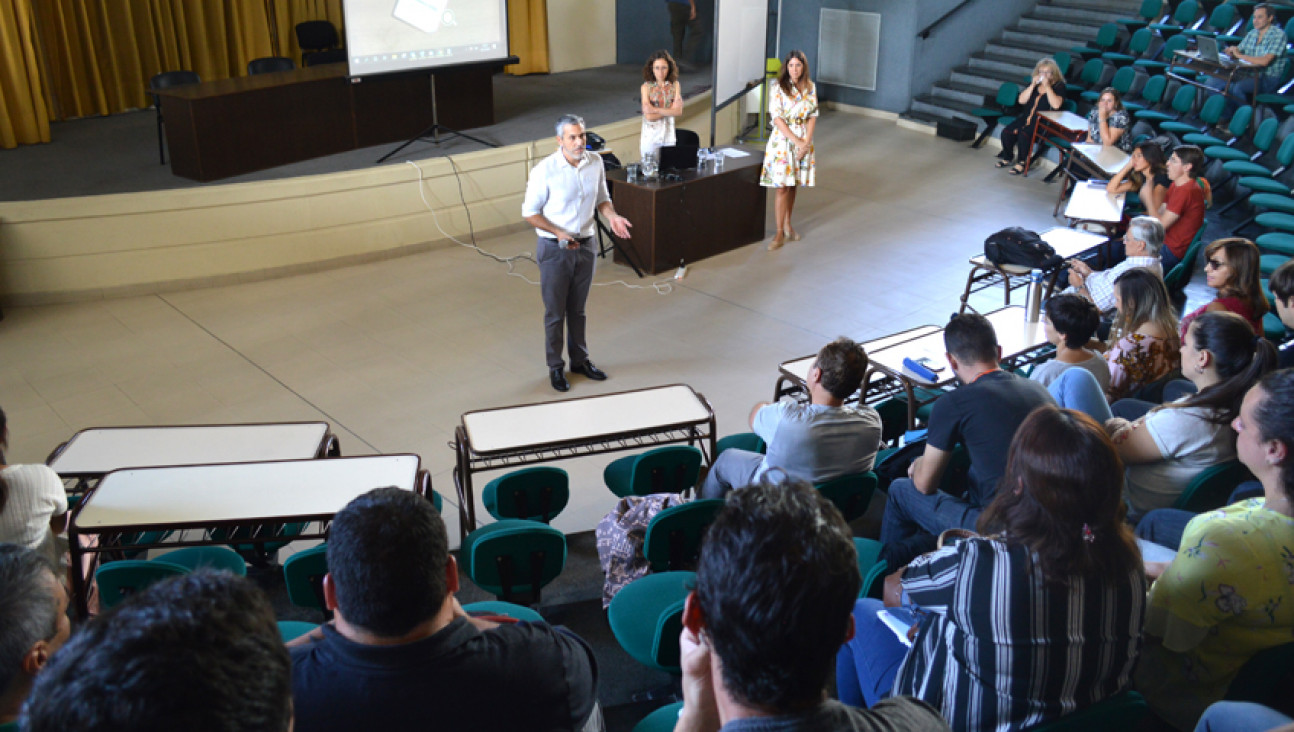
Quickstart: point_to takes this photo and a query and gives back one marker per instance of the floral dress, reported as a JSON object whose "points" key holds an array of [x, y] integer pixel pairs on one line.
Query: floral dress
{"points": [[1228, 594], [780, 166], [1135, 361], [658, 132]]}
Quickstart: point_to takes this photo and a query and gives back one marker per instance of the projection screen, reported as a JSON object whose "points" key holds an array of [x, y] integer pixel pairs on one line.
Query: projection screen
{"points": [[386, 36]]}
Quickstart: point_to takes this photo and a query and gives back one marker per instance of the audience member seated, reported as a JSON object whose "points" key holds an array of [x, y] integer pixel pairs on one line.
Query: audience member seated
{"points": [[1146, 175], [200, 652], [1172, 443], [777, 577], [815, 442], [1227, 594], [1045, 93], [1070, 322], [982, 414], [1144, 337], [33, 624], [1264, 46], [1231, 267], [33, 505], [1039, 617], [1141, 242], [1182, 212], [1243, 717], [400, 653], [1282, 284], [1108, 122]]}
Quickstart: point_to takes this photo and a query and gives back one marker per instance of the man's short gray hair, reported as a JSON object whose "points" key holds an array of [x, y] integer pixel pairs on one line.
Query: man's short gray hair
{"points": [[568, 119], [28, 607], [1149, 230]]}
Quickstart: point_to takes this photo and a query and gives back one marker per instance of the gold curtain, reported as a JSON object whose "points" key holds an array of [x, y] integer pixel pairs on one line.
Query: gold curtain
{"points": [[24, 104], [287, 13], [528, 36]]}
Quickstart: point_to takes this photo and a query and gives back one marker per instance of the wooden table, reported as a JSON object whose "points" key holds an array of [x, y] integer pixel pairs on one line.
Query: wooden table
{"points": [[227, 127], [1191, 62], [687, 220], [92, 453], [1068, 243], [526, 434], [1066, 125], [197, 498], [1022, 342], [1097, 162], [793, 376]]}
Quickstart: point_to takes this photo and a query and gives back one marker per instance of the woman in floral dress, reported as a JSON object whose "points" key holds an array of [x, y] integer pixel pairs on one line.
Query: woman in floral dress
{"points": [[788, 160], [662, 101]]}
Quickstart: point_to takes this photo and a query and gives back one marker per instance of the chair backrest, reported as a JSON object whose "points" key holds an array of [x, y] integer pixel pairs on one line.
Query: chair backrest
{"points": [[1176, 43], [850, 493], [318, 58], [1107, 36], [316, 35], [1092, 71], [870, 566], [1186, 12], [1257, 679], [1063, 61], [1211, 487], [169, 79], [686, 137], [538, 493], [1140, 42], [1181, 272], [1123, 80], [1285, 153], [1213, 108], [673, 539], [513, 555], [670, 469], [1265, 135], [207, 557], [1118, 712], [664, 645], [748, 441], [1222, 17], [303, 574], [1150, 9], [1184, 99], [1153, 91], [1007, 95], [121, 579], [270, 64], [1240, 121], [661, 720]]}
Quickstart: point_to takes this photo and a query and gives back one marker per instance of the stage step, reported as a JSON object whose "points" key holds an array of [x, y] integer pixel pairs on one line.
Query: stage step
{"points": [[1059, 27], [944, 107], [966, 93], [982, 79], [1006, 66]]}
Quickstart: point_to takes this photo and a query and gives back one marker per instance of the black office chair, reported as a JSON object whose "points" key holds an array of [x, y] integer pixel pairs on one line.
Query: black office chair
{"points": [[269, 65], [317, 36], [318, 58], [167, 80], [686, 137]]}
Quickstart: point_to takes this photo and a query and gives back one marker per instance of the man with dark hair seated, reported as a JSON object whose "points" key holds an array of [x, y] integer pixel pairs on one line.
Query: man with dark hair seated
{"points": [[815, 442], [777, 578], [33, 624], [199, 653], [1282, 284], [402, 655], [982, 414]]}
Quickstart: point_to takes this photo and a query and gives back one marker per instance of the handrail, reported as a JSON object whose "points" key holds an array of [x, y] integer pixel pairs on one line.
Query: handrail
{"points": [[925, 33]]}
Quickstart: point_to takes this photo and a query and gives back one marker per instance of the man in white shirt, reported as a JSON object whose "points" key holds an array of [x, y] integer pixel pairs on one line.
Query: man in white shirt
{"points": [[1142, 242], [563, 194]]}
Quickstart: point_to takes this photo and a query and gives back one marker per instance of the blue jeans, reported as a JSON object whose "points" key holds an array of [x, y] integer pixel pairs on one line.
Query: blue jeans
{"points": [[1242, 91], [1077, 388], [868, 663], [1165, 526], [1228, 716], [1167, 259], [913, 520]]}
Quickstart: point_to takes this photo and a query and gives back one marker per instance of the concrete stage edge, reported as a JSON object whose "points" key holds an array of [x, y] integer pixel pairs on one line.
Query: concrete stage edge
{"points": [[97, 247]]}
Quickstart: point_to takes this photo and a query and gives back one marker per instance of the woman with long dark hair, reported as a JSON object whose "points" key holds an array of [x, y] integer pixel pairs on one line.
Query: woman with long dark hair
{"points": [[33, 504], [662, 101], [788, 158], [1232, 267], [1039, 617], [1145, 174], [1229, 592], [1144, 343]]}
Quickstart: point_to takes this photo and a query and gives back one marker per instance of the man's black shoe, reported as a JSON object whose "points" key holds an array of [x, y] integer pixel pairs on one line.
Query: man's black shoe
{"points": [[558, 380], [588, 369]]}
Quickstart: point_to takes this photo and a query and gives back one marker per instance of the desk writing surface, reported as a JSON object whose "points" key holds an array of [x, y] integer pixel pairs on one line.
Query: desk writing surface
{"points": [[1106, 157], [103, 449], [198, 493], [1068, 120], [528, 425], [1014, 334], [1071, 242], [1092, 203], [799, 368]]}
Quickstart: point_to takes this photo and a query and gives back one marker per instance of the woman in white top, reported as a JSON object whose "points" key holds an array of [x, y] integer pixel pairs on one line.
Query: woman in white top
{"points": [[662, 101], [33, 504]]}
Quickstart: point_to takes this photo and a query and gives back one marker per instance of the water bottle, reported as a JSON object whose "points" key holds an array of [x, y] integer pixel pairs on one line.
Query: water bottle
{"points": [[1034, 296]]}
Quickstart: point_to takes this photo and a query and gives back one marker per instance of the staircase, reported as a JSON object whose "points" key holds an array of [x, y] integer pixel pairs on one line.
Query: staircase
{"points": [[1053, 25]]}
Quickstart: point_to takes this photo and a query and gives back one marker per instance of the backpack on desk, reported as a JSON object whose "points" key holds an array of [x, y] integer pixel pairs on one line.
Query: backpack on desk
{"points": [[1020, 247]]}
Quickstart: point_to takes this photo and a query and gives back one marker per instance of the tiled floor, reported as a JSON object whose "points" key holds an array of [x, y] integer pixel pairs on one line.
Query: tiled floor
{"points": [[392, 353]]}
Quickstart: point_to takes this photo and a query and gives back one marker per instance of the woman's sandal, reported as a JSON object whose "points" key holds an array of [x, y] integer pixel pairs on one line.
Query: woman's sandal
{"points": [[776, 243], [1017, 170], [1002, 163]]}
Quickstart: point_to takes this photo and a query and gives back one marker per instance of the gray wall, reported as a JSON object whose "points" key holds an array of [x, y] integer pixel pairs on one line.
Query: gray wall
{"points": [[642, 26]]}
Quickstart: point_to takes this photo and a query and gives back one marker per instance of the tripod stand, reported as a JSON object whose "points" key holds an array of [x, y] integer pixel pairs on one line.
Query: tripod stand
{"points": [[433, 130]]}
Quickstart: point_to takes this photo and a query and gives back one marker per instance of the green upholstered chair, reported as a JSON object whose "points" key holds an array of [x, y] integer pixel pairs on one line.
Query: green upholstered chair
{"points": [[1273, 329], [1211, 487], [1158, 63], [1182, 104], [1137, 47], [748, 441], [1121, 712], [673, 539], [1263, 139], [1237, 128], [303, 574], [513, 558], [506, 609], [1152, 93], [1276, 242], [1149, 12], [538, 494], [1180, 274], [259, 554], [206, 557], [670, 469], [1063, 62], [293, 629], [1210, 113], [1269, 263], [1008, 96], [1276, 222], [1220, 21], [1107, 39], [870, 566], [1182, 18], [438, 502], [1259, 679], [661, 720], [850, 493], [646, 617], [119, 580], [1091, 77], [130, 543], [1255, 169], [1121, 82]]}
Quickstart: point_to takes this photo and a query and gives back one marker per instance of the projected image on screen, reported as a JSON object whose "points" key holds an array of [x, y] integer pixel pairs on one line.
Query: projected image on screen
{"points": [[384, 36]]}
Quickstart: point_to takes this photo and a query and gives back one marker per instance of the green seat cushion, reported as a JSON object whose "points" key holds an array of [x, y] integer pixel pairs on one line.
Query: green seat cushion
{"points": [[1151, 115], [1264, 185], [1276, 242], [1091, 96], [1222, 152], [1276, 221], [1148, 64], [635, 612], [1246, 167], [1273, 328], [1268, 263], [1201, 140], [1281, 99], [1273, 202], [1118, 57], [1133, 107], [986, 112]]}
